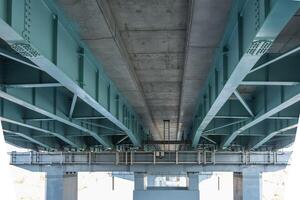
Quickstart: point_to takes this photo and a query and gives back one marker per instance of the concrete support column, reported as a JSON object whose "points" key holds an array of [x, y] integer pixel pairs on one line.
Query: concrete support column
{"points": [[193, 178], [237, 186], [61, 185], [140, 181], [247, 185], [252, 186], [151, 180]]}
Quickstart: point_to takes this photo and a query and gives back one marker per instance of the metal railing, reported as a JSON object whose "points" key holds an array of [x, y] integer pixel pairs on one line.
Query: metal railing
{"points": [[152, 158]]}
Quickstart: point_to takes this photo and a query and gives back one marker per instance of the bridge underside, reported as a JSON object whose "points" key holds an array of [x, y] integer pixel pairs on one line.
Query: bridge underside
{"points": [[187, 74], [168, 87]]}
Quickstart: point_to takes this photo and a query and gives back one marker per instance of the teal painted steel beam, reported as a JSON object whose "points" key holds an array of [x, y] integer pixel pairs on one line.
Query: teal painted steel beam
{"points": [[249, 34], [42, 144], [231, 117], [271, 135], [255, 133], [124, 138], [295, 50], [102, 126], [88, 118], [21, 144], [27, 136], [74, 99], [283, 117], [224, 126], [34, 85], [270, 83], [232, 109], [243, 102], [69, 141], [208, 139], [246, 117], [241, 135], [50, 42], [64, 120], [276, 102], [74, 117], [274, 75], [17, 58]]}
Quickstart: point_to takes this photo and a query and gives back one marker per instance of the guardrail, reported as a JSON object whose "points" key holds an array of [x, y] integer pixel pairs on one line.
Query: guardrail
{"points": [[152, 158]]}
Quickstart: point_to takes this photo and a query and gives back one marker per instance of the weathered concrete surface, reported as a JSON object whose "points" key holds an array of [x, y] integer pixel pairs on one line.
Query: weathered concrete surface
{"points": [[154, 33], [157, 52], [98, 29], [61, 186], [237, 186], [207, 23]]}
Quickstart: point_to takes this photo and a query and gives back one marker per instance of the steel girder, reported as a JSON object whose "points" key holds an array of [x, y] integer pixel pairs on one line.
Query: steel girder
{"points": [[38, 31], [13, 114], [173, 163], [271, 134], [55, 116], [251, 30], [47, 143], [269, 104], [23, 143], [272, 99]]}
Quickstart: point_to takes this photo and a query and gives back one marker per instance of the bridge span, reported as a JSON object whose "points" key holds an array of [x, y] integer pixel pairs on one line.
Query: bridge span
{"points": [[147, 86]]}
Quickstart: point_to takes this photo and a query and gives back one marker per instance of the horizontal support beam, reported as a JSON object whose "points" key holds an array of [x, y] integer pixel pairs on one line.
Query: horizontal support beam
{"points": [[270, 83], [102, 126], [271, 135], [276, 59], [79, 118], [250, 135], [241, 135], [66, 121], [34, 85], [231, 117], [246, 117], [17, 58], [167, 142], [224, 126], [166, 169], [89, 117], [171, 162]]}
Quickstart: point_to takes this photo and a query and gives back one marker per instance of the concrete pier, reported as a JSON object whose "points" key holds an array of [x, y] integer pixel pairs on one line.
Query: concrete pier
{"points": [[247, 185], [252, 187], [61, 185], [237, 186]]}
